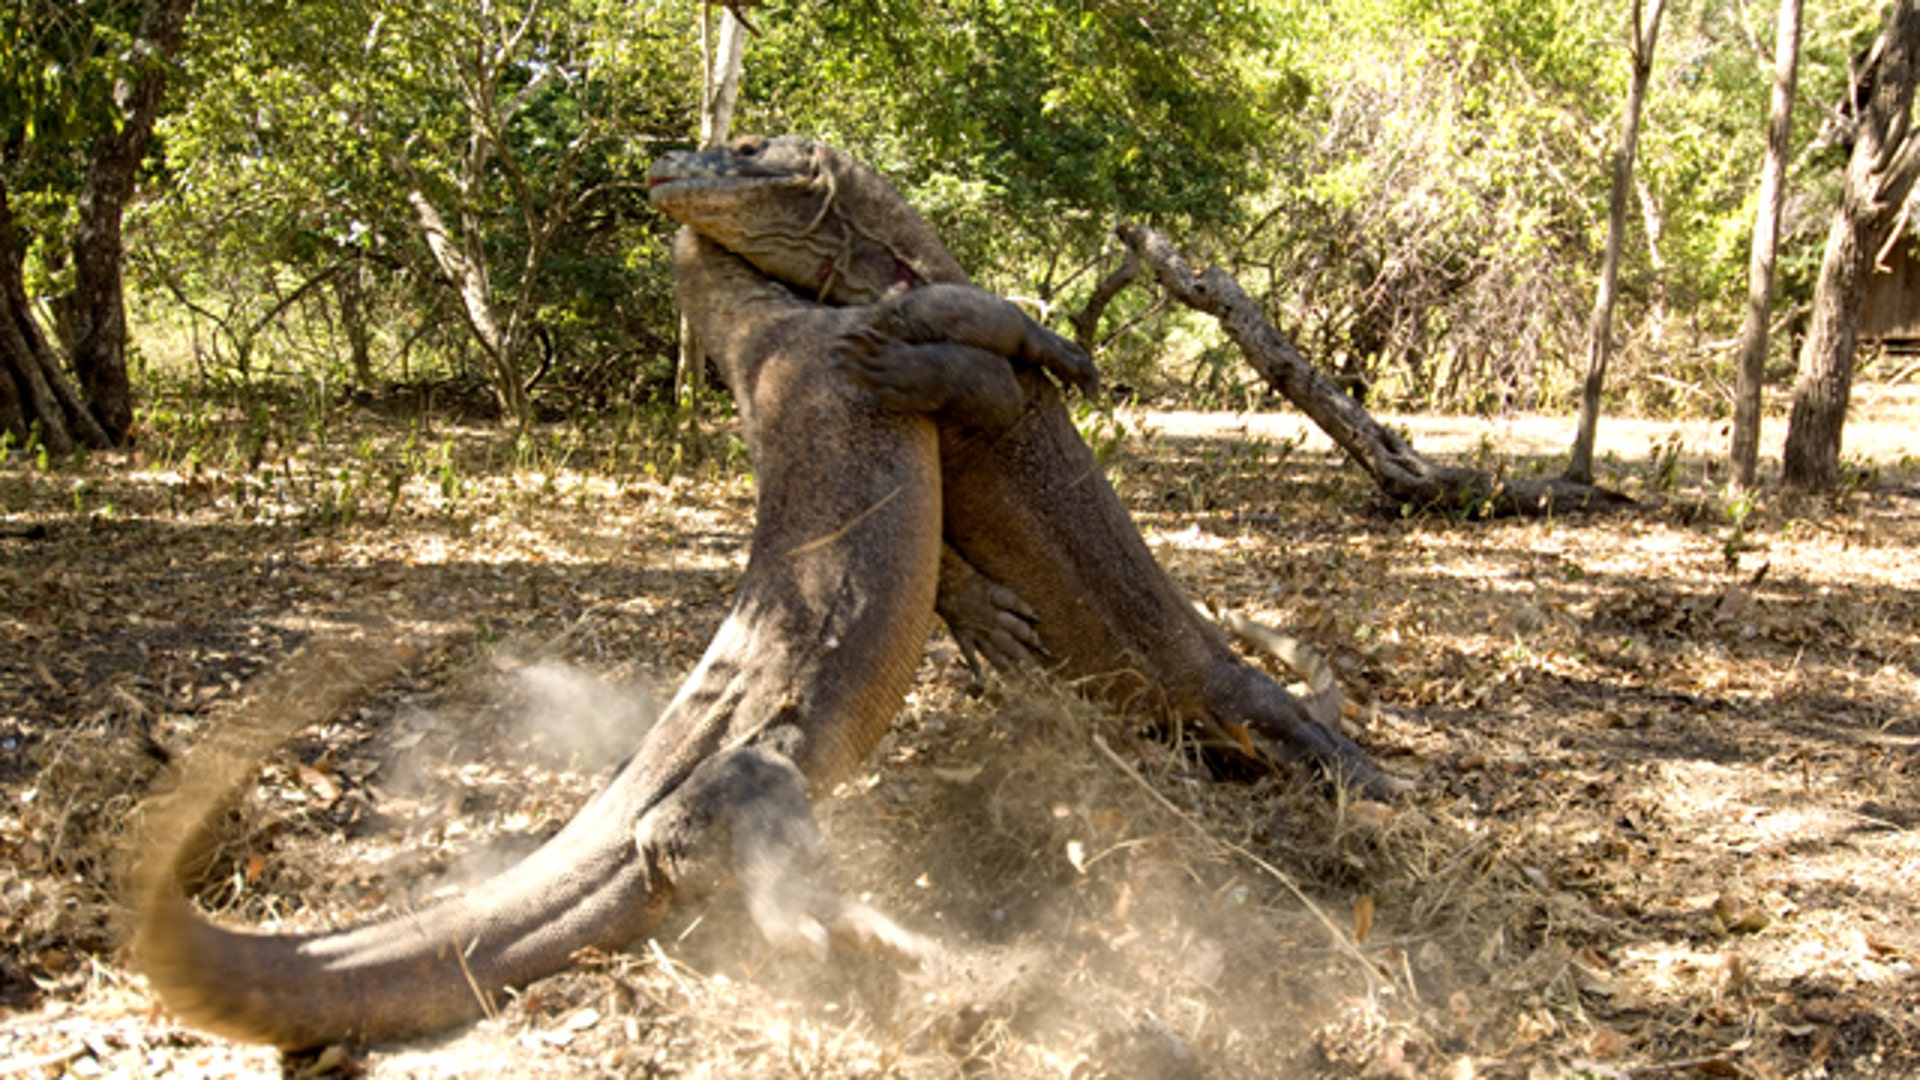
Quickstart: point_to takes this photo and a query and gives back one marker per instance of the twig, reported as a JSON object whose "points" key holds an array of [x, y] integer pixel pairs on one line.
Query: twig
{"points": [[43, 1062], [1724, 1057], [666, 964], [1342, 943], [486, 1003]]}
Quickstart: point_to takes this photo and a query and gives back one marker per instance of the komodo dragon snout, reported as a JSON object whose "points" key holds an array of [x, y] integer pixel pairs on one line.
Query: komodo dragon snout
{"points": [[776, 202]]}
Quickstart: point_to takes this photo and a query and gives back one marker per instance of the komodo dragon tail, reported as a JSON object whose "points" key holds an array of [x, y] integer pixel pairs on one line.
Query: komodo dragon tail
{"points": [[418, 973]]}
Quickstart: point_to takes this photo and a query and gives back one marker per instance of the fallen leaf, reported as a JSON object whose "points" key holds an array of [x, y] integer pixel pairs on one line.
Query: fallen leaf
{"points": [[324, 787], [1374, 815], [1362, 918]]}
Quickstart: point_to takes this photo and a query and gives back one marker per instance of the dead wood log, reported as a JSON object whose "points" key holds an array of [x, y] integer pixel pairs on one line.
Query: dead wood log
{"points": [[1400, 472]]}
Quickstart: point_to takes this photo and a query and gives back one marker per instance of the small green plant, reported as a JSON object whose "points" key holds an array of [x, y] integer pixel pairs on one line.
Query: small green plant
{"points": [[1739, 506], [1102, 428], [1664, 465]]}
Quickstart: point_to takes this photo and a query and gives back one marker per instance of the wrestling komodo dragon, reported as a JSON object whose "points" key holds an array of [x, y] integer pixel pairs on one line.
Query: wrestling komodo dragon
{"points": [[1026, 506], [802, 678]]}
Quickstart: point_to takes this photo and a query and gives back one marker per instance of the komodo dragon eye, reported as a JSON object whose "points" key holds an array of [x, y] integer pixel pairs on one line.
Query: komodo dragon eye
{"points": [[749, 146]]}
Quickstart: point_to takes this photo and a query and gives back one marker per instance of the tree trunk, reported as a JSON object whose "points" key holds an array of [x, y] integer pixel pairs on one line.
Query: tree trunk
{"points": [[1752, 363], [720, 88], [34, 390], [1400, 472], [99, 302], [1600, 328], [350, 288], [1880, 176], [468, 274], [1086, 322]]}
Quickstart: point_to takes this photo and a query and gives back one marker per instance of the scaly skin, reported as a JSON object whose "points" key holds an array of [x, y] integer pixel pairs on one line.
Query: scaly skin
{"points": [[1026, 505], [800, 681]]}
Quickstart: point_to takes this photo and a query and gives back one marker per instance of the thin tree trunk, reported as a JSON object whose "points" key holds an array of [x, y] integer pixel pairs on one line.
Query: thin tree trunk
{"points": [[723, 63], [350, 286], [723, 79], [1400, 472], [1086, 322], [1752, 363], [1600, 328], [99, 302], [469, 278], [1880, 176]]}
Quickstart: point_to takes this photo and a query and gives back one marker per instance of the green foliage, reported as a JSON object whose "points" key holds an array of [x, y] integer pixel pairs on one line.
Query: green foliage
{"points": [[306, 123], [1416, 188], [1027, 129]]}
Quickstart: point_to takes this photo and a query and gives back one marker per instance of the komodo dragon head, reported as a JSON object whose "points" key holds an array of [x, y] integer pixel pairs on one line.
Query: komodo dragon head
{"points": [[806, 213]]}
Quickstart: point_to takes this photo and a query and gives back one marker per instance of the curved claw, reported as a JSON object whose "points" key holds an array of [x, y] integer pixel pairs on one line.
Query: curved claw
{"points": [[1066, 360]]}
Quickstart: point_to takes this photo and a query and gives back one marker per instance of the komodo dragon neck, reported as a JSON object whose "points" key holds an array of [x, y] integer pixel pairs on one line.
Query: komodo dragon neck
{"points": [[1026, 505]]}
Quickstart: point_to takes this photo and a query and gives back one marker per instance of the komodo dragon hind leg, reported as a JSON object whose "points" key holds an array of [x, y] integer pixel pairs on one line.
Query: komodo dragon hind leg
{"points": [[1240, 696], [744, 812]]}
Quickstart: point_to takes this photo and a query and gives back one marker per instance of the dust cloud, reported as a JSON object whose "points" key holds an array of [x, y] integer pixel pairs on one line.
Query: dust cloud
{"points": [[1083, 929], [580, 713]]}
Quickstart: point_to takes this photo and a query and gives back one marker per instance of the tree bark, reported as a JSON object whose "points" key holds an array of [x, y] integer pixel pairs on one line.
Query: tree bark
{"points": [[722, 87], [1880, 176], [467, 271], [1600, 328], [1400, 472], [34, 389], [1751, 367], [723, 63], [99, 301]]}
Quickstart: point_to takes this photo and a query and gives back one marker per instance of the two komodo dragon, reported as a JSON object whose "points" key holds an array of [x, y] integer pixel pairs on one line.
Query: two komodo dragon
{"points": [[872, 429]]}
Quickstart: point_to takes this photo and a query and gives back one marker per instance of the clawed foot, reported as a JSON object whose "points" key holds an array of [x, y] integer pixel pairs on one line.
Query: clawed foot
{"points": [[744, 812], [1065, 359], [898, 377], [797, 915], [987, 619]]}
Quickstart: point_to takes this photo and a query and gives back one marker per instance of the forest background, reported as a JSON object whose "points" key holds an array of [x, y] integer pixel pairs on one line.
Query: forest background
{"points": [[1416, 191]]}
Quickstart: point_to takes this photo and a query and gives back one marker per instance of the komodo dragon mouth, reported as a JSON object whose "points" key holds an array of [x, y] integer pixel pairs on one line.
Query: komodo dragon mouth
{"points": [[782, 202]]}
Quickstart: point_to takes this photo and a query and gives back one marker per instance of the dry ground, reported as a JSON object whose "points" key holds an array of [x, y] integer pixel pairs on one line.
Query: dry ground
{"points": [[1663, 821]]}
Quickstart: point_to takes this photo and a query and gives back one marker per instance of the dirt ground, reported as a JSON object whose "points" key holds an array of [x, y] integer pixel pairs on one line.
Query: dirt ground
{"points": [[1663, 816]]}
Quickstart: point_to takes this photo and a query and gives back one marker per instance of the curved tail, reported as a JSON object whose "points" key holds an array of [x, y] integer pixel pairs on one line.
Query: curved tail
{"points": [[590, 885]]}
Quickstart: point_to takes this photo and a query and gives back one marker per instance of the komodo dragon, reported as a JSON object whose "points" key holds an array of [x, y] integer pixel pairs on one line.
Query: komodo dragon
{"points": [[800, 681], [1026, 506]]}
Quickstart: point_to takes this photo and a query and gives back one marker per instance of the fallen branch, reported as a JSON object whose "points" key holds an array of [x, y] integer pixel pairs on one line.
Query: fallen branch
{"points": [[1400, 472]]}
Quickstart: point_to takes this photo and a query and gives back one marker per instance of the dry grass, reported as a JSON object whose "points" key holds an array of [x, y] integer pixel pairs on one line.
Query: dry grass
{"points": [[1664, 818]]}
